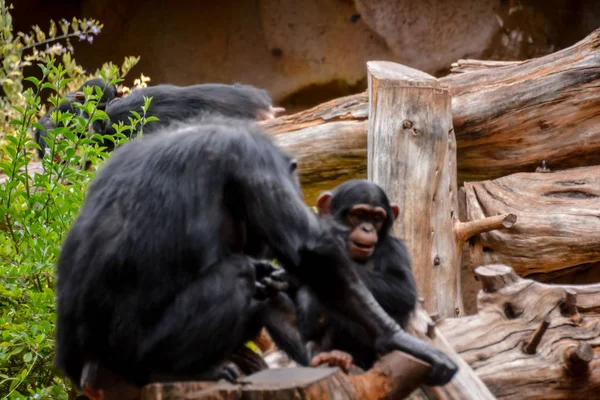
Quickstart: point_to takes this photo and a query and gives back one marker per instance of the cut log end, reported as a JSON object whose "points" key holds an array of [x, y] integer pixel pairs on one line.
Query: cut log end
{"points": [[387, 70], [495, 276], [509, 220], [579, 356], [568, 307]]}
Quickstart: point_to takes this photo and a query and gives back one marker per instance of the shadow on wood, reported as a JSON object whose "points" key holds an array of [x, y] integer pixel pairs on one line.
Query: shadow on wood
{"points": [[395, 376]]}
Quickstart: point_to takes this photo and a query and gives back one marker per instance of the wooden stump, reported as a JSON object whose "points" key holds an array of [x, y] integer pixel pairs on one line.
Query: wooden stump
{"points": [[395, 376], [531, 340], [558, 223], [412, 155]]}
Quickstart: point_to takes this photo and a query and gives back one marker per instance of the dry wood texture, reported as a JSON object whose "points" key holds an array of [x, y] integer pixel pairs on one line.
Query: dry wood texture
{"points": [[395, 376], [509, 117], [531, 340], [465, 385], [409, 121], [412, 156], [558, 227]]}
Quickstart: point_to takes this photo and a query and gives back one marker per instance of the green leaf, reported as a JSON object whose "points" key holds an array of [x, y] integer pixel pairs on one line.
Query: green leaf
{"points": [[33, 79]]}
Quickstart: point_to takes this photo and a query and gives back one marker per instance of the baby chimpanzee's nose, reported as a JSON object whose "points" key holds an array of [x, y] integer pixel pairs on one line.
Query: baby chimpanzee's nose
{"points": [[367, 228]]}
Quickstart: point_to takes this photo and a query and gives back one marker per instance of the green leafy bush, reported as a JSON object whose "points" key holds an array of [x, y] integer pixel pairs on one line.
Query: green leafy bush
{"points": [[36, 209]]}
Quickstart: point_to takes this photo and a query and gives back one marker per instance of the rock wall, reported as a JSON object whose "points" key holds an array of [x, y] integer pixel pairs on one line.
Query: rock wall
{"points": [[309, 51]]}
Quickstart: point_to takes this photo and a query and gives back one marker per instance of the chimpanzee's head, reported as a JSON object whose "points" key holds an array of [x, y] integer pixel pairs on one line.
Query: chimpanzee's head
{"points": [[109, 92], [364, 207]]}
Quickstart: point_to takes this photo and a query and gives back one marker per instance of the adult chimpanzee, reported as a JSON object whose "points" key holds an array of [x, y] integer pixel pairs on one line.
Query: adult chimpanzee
{"points": [[156, 276], [172, 103], [383, 265], [109, 93]]}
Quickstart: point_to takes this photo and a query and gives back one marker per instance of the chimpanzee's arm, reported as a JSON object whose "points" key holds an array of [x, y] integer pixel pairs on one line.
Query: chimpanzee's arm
{"points": [[391, 281]]}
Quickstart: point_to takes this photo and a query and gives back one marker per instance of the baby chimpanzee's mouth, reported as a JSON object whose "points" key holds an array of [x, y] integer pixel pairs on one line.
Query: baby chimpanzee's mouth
{"points": [[363, 246]]}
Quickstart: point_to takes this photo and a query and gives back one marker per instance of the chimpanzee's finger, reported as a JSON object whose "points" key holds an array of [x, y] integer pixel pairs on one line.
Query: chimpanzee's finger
{"points": [[275, 285]]}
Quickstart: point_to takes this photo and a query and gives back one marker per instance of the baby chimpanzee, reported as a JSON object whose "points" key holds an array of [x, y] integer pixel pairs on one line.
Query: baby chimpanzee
{"points": [[384, 266]]}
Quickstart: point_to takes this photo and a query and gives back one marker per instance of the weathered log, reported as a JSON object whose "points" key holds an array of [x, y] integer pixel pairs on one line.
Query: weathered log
{"points": [[531, 340], [395, 376], [329, 140], [558, 223], [465, 385], [511, 116], [507, 116], [412, 156]]}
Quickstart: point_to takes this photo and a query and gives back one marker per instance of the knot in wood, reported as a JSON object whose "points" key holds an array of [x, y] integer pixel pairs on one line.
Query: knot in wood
{"points": [[406, 124], [431, 330], [436, 260]]}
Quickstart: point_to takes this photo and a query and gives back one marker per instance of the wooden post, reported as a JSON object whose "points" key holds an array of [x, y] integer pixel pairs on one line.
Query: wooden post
{"points": [[409, 121], [412, 155]]}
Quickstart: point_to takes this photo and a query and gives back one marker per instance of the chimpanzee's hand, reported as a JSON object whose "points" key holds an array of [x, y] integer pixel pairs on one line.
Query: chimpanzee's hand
{"points": [[270, 280], [265, 268], [443, 368]]}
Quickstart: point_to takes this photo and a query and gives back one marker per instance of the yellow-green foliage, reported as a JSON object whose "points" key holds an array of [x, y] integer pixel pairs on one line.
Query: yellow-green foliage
{"points": [[37, 210]]}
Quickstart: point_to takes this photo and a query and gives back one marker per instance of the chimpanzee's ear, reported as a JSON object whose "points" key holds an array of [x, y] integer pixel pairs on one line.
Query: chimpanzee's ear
{"points": [[324, 203], [79, 97], [395, 210]]}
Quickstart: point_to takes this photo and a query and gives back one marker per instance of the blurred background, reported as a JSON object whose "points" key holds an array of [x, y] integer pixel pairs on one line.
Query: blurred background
{"points": [[309, 51]]}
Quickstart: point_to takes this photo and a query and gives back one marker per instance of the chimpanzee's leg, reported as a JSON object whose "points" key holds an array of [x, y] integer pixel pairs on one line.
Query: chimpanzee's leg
{"points": [[205, 323]]}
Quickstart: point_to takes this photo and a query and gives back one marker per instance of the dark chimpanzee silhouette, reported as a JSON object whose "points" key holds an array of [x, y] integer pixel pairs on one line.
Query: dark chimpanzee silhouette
{"points": [[109, 93], [156, 277], [172, 103], [384, 266]]}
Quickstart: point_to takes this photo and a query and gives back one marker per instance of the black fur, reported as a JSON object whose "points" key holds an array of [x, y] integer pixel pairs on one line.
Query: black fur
{"points": [[109, 93], [172, 103], [150, 280]]}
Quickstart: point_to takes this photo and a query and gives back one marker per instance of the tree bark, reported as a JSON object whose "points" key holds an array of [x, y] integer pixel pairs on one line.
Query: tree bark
{"points": [[530, 340], [558, 225], [395, 376], [412, 156]]}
